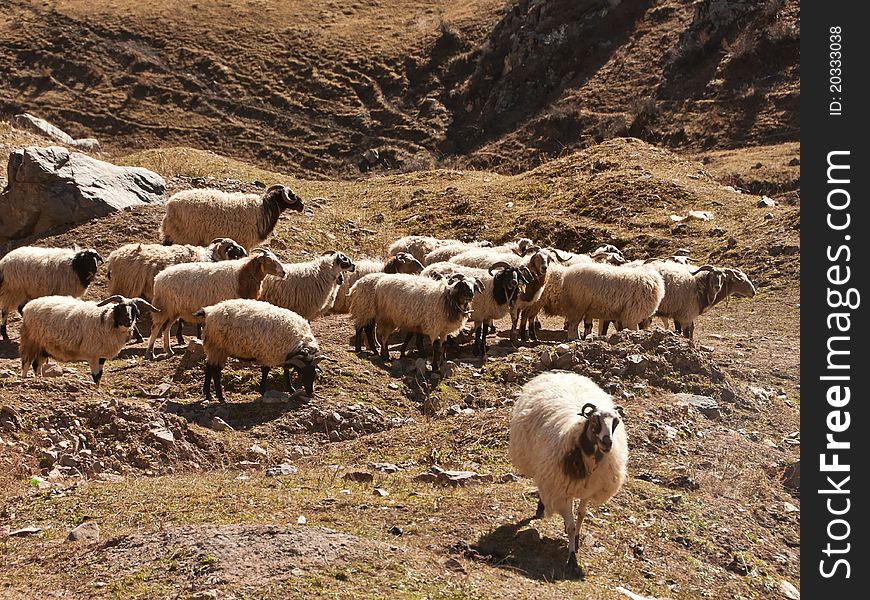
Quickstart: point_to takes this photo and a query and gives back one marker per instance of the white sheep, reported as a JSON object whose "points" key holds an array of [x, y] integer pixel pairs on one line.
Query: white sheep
{"points": [[363, 309], [501, 286], [434, 308], [308, 288], [254, 330], [181, 290], [69, 329], [626, 295], [132, 268], [419, 246], [31, 272], [200, 215], [565, 434], [398, 263]]}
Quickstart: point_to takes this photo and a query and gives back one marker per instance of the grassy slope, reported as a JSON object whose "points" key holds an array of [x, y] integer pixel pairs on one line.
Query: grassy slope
{"points": [[652, 538]]}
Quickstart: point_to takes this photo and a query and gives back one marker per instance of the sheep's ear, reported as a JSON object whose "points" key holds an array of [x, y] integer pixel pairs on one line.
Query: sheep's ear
{"points": [[77, 248], [478, 285], [328, 253], [621, 410]]}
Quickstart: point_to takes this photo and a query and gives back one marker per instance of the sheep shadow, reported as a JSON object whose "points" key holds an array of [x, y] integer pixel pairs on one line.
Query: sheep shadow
{"points": [[520, 549], [9, 349], [238, 415]]}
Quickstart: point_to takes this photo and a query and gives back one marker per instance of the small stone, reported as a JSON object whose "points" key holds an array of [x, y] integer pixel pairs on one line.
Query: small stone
{"points": [[385, 467], [449, 368], [24, 531], [334, 436], [790, 508], [455, 565], [453, 410], [301, 520], [164, 436], [52, 370], [258, 451], [89, 531], [160, 390], [395, 530], [426, 477], [393, 386], [219, 424], [68, 460], [381, 492], [509, 478], [766, 202], [705, 405], [281, 470], [297, 452], [47, 458], [529, 536], [359, 476], [789, 591]]}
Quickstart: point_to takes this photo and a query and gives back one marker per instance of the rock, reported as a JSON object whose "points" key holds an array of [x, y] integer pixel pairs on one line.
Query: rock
{"points": [[393, 386], [705, 405], [510, 374], [420, 366], [631, 595], [790, 508], [426, 477], [381, 492], [164, 437], [359, 476], [24, 531], [566, 361], [47, 458], [160, 390], [449, 368], [766, 202], [385, 467], [219, 424], [205, 595], [334, 436], [9, 418], [454, 565], [297, 452], [281, 470], [68, 460], [52, 186], [395, 530], [791, 476], [453, 410], [508, 478], [786, 249], [788, 590], [41, 126], [528, 536], [52, 370], [460, 478], [88, 531], [301, 520], [258, 451]]}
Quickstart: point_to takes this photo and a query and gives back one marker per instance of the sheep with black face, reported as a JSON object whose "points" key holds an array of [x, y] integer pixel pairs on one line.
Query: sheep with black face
{"points": [[567, 434]]}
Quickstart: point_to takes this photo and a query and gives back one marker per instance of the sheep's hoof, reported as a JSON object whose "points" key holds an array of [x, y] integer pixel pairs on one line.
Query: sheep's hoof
{"points": [[539, 513], [572, 569]]}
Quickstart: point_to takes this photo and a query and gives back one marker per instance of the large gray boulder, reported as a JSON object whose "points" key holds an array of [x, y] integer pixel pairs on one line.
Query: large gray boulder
{"points": [[52, 186], [28, 121]]}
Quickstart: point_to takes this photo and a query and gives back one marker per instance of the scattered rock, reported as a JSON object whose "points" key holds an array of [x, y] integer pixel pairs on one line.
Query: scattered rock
{"points": [[786, 249], [395, 530], [89, 531], [529, 536], [454, 564], [788, 590], [160, 390], [381, 492], [219, 424], [790, 508], [24, 531], [52, 186], [426, 477], [766, 202], [281, 470], [164, 436], [359, 476], [28, 121], [385, 467], [791, 476], [52, 370], [449, 368], [10, 420], [301, 520], [631, 595], [297, 452], [258, 451], [705, 405], [509, 478]]}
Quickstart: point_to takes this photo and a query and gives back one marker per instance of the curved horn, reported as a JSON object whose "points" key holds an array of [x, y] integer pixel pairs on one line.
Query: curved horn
{"points": [[704, 268], [146, 304], [499, 265], [586, 412], [530, 249], [115, 298], [561, 259], [259, 250], [526, 274], [216, 240]]}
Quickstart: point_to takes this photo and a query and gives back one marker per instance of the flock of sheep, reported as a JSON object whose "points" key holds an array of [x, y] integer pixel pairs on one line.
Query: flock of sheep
{"points": [[210, 271]]}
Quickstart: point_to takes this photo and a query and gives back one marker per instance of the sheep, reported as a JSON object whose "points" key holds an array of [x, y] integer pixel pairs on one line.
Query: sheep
{"points": [[255, 330], [691, 290], [399, 263], [200, 215], [565, 435], [627, 295], [363, 309], [131, 268], [31, 272], [500, 291], [309, 288], [435, 308], [419, 246], [446, 252], [69, 329], [180, 290]]}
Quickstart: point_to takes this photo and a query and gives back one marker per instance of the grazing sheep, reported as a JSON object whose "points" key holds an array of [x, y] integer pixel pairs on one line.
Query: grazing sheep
{"points": [[132, 268], [181, 290], [501, 285], [68, 329], [399, 263], [307, 288], [31, 272], [419, 246], [627, 295], [200, 215], [254, 330], [565, 435], [435, 308], [363, 308]]}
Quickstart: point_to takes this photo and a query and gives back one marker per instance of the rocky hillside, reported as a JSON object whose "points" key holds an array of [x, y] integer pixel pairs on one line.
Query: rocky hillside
{"points": [[486, 83]]}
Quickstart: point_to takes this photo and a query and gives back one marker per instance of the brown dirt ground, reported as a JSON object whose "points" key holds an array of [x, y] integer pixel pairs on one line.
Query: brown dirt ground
{"points": [[704, 512]]}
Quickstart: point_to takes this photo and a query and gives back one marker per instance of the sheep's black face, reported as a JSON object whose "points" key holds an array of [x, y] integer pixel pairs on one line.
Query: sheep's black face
{"points": [[292, 201], [235, 252], [306, 376], [85, 264], [125, 314], [601, 427], [344, 262]]}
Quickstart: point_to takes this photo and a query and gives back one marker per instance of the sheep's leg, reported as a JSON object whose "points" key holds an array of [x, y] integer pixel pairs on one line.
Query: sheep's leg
{"points": [[206, 386], [483, 348], [571, 530], [524, 321], [534, 325], [678, 327], [179, 336], [357, 340], [689, 330], [4, 315], [137, 335], [664, 321], [514, 318], [370, 337], [587, 328], [97, 369], [385, 346], [436, 354], [156, 329], [216, 377], [265, 376], [167, 347], [421, 348], [539, 513], [478, 334], [199, 331], [404, 346], [603, 326]]}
